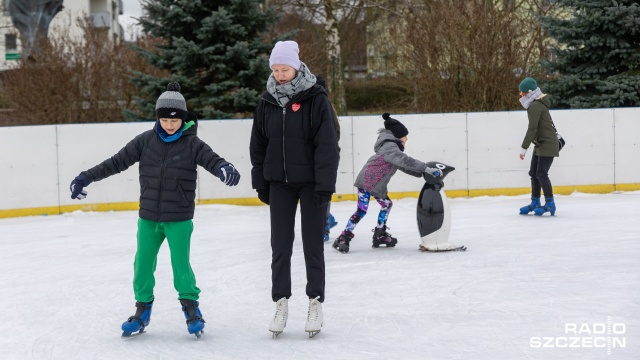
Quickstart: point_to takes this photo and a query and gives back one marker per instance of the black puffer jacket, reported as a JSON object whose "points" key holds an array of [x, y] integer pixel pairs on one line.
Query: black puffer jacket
{"points": [[167, 172], [295, 144]]}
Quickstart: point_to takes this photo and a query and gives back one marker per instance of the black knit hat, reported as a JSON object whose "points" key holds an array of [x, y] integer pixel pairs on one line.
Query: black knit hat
{"points": [[396, 127], [171, 103]]}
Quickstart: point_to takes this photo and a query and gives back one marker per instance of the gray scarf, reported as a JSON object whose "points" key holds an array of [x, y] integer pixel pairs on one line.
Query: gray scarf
{"points": [[531, 97], [285, 92]]}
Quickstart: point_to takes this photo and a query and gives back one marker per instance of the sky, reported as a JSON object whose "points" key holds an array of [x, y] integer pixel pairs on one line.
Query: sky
{"points": [[528, 287], [131, 9]]}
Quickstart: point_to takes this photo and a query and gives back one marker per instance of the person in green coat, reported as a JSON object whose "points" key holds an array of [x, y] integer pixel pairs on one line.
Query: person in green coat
{"points": [[542, 133]]}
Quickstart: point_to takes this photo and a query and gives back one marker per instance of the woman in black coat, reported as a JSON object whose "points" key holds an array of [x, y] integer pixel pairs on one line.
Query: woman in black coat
{"points": [[294, 154]]}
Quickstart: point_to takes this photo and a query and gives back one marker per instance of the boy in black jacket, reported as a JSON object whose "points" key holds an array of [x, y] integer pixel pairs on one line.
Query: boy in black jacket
{"points": [[168, 155]]}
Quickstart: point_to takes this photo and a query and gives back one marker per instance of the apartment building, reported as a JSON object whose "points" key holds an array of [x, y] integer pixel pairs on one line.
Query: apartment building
{"points": [[103, 13]]}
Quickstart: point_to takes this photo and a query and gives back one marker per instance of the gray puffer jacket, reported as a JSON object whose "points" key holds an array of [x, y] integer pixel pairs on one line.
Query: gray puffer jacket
{"points": [[390, 157]]}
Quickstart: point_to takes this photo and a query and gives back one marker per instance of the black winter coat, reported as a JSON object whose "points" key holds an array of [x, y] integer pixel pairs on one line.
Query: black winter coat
{"points": [[167, 172], [295, 144]]}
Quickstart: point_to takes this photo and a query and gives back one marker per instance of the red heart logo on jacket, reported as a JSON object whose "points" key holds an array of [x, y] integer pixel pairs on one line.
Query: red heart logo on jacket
{"points": [[295, 107]]}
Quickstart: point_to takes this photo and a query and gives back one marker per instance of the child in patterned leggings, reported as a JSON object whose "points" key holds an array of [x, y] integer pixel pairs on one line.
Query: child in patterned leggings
{"points": [[363, 205], [374, 178]]}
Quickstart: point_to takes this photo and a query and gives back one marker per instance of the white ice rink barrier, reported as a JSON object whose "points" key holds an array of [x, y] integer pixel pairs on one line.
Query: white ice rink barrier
{"points": [[602, 155]]}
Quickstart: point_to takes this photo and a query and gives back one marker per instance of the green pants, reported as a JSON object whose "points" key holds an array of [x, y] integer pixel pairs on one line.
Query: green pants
{"points": [[151, 234]]}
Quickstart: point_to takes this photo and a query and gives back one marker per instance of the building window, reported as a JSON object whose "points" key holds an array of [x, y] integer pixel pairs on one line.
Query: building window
{"points": [[10, 42]]}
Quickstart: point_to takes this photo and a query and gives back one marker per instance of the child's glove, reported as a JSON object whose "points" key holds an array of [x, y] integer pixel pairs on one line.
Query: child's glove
{"points": [[321, 198], [263, 195], [77, 187], [229, 175]]}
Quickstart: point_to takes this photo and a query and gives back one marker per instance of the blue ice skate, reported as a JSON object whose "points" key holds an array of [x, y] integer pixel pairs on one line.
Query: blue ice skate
{"points": [[549, 206], [137, 322], [535, 203], [331, 221], [195, 322]]}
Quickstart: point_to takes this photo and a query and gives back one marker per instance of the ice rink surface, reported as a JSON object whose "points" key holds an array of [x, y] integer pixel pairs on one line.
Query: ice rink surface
{"points": [[518, 291]]}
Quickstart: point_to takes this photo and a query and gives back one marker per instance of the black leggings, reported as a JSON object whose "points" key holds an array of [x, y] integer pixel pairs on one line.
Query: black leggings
{"points": [[539, 173]]}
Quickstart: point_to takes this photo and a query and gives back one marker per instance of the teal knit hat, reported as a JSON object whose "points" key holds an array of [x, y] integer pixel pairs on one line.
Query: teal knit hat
{"points": [[528, 84]]}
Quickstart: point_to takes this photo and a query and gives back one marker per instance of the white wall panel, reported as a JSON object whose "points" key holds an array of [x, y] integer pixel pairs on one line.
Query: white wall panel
{"points": [[494, 148], [627, 135], [229, 139], [39, 162], [434, 137], [29, 167], [83, 146], [588, 156], [345, 179]]}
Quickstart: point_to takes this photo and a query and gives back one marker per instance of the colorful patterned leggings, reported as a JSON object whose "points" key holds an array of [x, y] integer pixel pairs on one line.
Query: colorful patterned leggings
{"points": [[363, 206]]}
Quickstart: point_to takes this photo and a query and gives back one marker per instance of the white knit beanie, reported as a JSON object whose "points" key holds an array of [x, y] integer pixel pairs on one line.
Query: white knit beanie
{"points": [[285, 53]]}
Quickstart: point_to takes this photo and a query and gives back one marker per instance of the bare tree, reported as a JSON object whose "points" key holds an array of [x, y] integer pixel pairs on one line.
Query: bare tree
{"points": [[467, 55], [73, 80], [318, 25], [334, 67], [537, 42]]}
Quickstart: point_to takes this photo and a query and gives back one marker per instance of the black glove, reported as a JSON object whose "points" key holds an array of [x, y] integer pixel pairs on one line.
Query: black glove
{"points": [[229, 175], [322, 198], [77, 187], [263, 195]]}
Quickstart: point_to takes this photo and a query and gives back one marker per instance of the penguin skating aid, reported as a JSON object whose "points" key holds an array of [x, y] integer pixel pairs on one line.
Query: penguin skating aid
{"points": [[434, 214]]}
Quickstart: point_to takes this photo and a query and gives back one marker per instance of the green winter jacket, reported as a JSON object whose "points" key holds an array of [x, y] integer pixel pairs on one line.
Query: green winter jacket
{"points": [[541, 131]]}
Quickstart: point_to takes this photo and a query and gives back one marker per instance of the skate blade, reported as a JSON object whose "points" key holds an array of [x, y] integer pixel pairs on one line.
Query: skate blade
{"points": [[274, 334], [312, 334], [340, 251], [459, 248], [385, 245], [127, 336], [199, 334]]}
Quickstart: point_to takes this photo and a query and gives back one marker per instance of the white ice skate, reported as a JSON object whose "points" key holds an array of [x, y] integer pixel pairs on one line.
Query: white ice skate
{"points": [[314, 317], [280, 318]]}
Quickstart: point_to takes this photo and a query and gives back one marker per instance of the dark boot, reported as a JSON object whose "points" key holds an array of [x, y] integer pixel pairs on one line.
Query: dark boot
{"points": [[382, 237], [342, 242]]}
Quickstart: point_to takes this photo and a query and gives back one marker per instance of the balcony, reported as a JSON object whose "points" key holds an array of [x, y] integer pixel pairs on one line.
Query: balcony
{"points": [[101, 19]]}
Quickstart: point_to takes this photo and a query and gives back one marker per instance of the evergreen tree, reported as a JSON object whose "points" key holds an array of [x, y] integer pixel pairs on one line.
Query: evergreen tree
{"points": [[598, 54], [214, 48]]}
